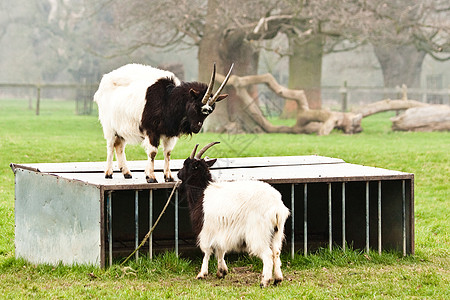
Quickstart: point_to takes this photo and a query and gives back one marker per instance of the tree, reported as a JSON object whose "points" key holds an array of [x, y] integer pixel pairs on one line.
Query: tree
{"points": [[233, 31], [409, 33], [402, 34], [224, 32], [52, 38]]}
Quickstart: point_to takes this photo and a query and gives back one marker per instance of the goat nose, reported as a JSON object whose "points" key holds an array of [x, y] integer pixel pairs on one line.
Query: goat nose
{"points": [[206, 109]]}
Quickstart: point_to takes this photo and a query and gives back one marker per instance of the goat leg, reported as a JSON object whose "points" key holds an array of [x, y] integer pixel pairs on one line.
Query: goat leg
{"points": [[204, 270]]}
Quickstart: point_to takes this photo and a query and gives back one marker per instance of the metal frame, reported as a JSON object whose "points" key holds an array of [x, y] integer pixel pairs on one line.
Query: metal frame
{"points": [[338, 191]]}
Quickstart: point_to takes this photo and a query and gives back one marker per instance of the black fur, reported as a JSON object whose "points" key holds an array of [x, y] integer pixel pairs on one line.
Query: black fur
{"points": [[195, 178], [172, 110]]}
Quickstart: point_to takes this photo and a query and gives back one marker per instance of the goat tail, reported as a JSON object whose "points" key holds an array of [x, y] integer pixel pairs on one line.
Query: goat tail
{"points": [[281, 215], [104, 86], [108, 83]]}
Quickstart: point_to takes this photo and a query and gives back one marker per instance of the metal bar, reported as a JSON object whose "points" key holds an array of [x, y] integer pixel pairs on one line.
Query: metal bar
{"points": [[305, 221], [367, 217], [404, 216], [136, 223], [109, 221], [292, 220], [150, 225], [343, 216], [330, 226], [176, 222], [379, 218]]}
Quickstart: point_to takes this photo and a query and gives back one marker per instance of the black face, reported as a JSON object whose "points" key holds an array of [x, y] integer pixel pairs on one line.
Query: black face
{"points": [[196, 113], [194, 170], [182, 173]]}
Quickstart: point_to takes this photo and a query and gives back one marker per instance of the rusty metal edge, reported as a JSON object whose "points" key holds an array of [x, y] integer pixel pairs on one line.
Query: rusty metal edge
{"points": [[141, 186], [411, 218], [14, 167], [102, 229], [406, 176]]}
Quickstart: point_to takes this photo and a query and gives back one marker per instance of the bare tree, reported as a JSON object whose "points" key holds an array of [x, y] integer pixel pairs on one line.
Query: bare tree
{"points": [[401, 32], [409, 33], [232, 31]]}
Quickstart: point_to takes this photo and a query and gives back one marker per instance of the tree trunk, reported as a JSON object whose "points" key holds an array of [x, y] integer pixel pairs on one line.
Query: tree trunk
{"points": [[425, 118], [400, 65], [305, 72], [208, 53], [225, 49]]}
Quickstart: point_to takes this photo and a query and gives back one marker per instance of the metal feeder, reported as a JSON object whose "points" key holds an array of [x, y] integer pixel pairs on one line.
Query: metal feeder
{"points": [[69, 213]]}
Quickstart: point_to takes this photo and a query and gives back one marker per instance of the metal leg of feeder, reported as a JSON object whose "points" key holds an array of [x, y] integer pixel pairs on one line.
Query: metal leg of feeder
{"points": [[343, 216], [292, 219], [109, 213], [379, 217], [305, 221], [176, 222], [404, 217], [330, 226], [136, 223], [367, 216], [150, 225]]}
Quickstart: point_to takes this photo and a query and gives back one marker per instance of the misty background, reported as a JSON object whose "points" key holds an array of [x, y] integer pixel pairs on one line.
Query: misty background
{"points": [[312, 45]]}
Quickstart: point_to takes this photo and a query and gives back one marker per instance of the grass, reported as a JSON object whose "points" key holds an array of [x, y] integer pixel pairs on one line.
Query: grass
{"points": [[58, 135]]}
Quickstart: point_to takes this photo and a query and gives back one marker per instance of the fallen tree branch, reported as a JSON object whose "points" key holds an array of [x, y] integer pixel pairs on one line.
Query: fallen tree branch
{"points": [[321, 122], [425, 118], [387, 105]]}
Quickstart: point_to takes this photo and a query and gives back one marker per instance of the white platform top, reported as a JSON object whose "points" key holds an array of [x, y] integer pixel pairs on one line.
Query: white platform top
{"points": [[277, 169]]}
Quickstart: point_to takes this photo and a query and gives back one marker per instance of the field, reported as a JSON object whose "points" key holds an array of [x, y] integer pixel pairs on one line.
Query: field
{"points": [[58, 135]]}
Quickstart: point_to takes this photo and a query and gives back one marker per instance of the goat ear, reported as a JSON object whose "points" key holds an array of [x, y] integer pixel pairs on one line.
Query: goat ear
{"points": [[210, 162], [221, 97], [194, 93]]}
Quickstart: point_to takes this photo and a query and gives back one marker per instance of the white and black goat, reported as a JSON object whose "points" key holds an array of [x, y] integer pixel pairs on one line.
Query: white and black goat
{"points": [[142, 104], [233, 216]]}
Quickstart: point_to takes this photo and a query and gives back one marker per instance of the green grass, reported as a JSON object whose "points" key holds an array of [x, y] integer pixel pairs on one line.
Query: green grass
{"points": [[58, 135]]}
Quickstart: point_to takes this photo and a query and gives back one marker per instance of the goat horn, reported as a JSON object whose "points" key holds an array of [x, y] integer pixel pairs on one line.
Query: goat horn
{"points": [[216, 95], [201, 152], [193, 152], [210, 86]]}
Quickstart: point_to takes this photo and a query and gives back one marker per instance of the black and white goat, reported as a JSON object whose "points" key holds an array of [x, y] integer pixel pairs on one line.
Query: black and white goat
{"points": [[142, 104], [233, 216]]}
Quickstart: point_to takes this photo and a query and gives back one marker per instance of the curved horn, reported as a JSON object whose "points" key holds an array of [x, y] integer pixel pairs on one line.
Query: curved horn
{"points": [[210, 86], [193, 152], [216, 95], [201, 152]]}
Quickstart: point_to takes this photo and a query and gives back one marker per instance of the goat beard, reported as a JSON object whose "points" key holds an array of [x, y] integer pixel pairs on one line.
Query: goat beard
{"points": [[185, 126]]}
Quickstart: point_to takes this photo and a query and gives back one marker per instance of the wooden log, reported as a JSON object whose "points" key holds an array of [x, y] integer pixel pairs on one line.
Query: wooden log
{"points": [[387, 105], [309, 120], [425, 118]]}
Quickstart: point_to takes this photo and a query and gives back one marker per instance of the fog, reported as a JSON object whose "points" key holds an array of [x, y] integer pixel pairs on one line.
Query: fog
{"points": [[63, 41]]}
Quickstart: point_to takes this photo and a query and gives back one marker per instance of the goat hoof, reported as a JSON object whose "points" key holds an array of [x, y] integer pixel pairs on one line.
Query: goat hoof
{"points": [[151, 180], [221, 274], [200, 277], [108, 176], [277, 281], [168, 178], [127, 176]]}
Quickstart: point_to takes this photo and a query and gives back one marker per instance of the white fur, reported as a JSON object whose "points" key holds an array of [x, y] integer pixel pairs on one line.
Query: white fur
{"points": [[121, 100], [243, 211]]}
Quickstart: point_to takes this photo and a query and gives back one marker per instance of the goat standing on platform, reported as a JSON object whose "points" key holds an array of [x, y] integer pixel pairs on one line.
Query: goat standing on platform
{"points": [[233, 216], [142, 104]]}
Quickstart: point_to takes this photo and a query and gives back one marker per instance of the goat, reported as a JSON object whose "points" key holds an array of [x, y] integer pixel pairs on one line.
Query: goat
{"points": [[142, 104], [233, 216]]}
